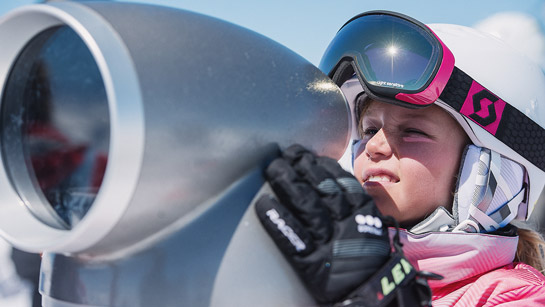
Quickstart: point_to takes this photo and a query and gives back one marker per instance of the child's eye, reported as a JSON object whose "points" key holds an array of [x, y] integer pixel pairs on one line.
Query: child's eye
{"points": [[415, 131], [370, 131]]}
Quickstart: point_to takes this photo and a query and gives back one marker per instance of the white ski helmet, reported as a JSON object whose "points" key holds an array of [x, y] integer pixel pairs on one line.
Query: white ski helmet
{"points": [[491, 89]]}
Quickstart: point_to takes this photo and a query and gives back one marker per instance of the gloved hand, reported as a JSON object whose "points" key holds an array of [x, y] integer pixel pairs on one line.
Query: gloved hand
{"points": [[324, 223]]}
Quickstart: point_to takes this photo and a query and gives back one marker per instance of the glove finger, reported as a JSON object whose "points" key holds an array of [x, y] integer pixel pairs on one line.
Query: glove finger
{"points": [[353, 192], [305, 164], [294, 152], [300, 198], [285, 230]]}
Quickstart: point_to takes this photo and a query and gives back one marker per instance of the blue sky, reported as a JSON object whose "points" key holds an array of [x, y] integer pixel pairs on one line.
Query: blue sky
{"points": [[307, 26]]}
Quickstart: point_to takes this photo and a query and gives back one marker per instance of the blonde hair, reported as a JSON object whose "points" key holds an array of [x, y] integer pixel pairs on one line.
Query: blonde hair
{"points": [[531, 249]]}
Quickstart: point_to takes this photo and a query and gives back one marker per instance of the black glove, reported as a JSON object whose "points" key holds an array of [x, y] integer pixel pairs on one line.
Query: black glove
{"points": [[327, 227]]}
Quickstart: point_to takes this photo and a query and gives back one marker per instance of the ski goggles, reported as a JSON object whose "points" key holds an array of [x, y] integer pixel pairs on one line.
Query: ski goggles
{"points": [[400, 60], [397, 58]]}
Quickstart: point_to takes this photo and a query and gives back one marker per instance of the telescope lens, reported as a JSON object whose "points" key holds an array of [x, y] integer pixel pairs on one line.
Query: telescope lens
{"points": [[55, 127]]}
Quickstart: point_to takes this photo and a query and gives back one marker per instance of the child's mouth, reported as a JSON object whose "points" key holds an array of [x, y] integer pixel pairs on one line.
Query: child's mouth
{"points": [[380, 178]]}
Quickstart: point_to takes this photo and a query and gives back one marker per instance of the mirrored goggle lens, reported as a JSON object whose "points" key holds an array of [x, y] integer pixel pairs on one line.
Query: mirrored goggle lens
{"points": [[389, 51]]}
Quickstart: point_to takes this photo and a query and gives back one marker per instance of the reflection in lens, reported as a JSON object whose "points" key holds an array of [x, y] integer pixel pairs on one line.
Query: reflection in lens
{"points": [[55, 127], [390, 52], [396, 53]]}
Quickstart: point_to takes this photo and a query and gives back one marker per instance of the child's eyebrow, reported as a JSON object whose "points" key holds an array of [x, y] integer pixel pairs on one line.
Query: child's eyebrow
{"points": [[417, 116]]}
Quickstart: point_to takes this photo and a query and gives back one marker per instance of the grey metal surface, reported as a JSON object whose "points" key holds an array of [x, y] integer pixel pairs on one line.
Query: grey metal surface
{"points": [[215, 96], [179, 271], [220, 259], [254, 270]]}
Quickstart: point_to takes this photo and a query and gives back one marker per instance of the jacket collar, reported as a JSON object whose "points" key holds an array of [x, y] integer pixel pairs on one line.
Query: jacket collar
{"points": [[456, 256]]}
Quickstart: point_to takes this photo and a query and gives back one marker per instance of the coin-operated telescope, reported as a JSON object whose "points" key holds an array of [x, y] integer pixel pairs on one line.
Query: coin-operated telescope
{"points": [[133, 138]]}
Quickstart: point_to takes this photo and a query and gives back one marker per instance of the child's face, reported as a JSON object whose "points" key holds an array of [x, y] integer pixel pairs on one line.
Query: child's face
{"points": [[409, 159]]}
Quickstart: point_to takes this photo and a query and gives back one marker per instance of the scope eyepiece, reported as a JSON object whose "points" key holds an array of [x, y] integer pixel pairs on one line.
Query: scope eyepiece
{"points": [[55, 127]]}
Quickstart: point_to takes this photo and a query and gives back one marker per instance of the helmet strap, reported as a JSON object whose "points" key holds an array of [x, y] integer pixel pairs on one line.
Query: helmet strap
{"points": [[489, 191]]}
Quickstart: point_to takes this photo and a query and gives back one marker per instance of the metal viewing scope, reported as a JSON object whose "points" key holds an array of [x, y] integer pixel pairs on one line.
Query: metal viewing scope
{"points": [[133, 139]]}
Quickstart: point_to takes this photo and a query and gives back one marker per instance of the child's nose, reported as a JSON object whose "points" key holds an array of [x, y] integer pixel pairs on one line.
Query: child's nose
{"points": [[378, 146]]}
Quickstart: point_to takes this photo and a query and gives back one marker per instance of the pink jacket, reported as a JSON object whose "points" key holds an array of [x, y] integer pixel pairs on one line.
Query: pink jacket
{"points": [[478, 269]]}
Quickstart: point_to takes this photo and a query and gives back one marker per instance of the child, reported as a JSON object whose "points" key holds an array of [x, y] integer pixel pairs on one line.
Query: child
{"points": [[450, 142]]}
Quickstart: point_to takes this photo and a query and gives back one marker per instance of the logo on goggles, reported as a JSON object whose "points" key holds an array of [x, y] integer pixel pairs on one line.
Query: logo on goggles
{"points": [[386, 83], [483, 107]]}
